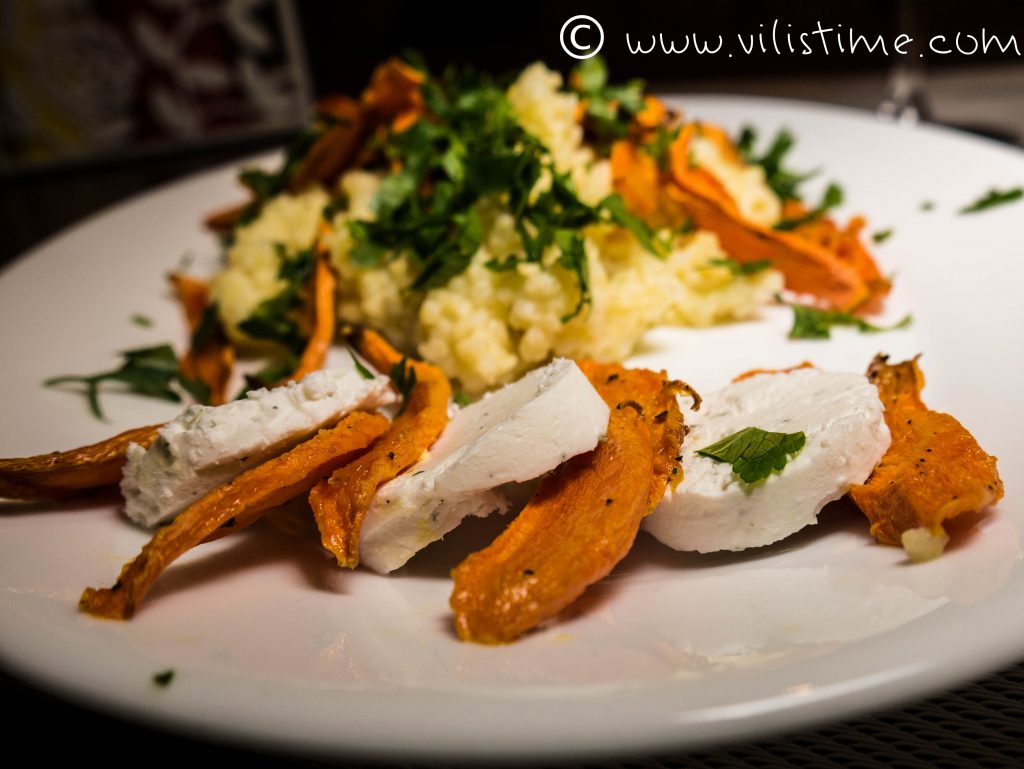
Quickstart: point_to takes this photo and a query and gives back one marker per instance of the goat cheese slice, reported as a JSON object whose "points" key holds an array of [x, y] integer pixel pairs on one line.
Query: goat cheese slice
{"points": [[712, 509], [207, 446], [514, 434]]}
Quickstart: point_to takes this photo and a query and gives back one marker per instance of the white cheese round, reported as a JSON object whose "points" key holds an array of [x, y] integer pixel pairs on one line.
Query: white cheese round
{"points": [[512, 435], [713, 509], [207, 446]]}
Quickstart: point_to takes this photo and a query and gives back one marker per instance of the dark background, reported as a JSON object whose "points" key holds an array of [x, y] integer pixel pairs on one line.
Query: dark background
{"points": [[980, 725], [341, 42]]}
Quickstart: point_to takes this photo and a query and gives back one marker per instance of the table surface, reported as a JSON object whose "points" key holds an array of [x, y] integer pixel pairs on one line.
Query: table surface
{"points": [[980, 724]]}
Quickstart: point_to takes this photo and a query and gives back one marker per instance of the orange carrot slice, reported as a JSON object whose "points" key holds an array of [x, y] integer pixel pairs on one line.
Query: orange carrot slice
{"points": [[340, 502], [64, 473], [324, 317], [212, 360], [934, 469], [583, 518], [237, 504], [808, 268]]}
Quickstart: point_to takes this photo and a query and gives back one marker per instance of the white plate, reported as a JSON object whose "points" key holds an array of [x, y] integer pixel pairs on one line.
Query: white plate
{"points": [[274, 646]]}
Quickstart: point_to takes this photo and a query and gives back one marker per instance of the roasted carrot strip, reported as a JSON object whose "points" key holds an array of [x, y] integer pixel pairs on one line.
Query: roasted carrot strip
{"points": [[635, 176], [934, 469], [212, 361], [239, 502], [817, 258], [61, 473], [583, 518], [808, 268], [697, 179], [324, 317], [337, 147], [394, 88], [340, 502], [847, 246]]}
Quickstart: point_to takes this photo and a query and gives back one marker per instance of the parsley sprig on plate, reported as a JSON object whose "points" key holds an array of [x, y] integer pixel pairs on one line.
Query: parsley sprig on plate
{"points": [[152, 371]]}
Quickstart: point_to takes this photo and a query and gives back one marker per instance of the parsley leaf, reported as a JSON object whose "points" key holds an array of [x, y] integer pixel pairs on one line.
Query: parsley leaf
{"points": [[783, 182], [403, 375], [461, 399], [739, 269], [276, 319], [142, 321], [755, 453], [615, 206], [993, 198], [833, 197], [881, 236], [609, 109], [164, 678], [813, 323], [208, 328], [364, 372], [151, 371], [574, 259]]}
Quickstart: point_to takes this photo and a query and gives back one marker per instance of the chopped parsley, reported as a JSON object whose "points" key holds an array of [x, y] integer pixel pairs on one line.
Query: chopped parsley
{"points": [[364, 372], [472, 151], [403, 375], [993, 198], [142, 321], [755, 453], [740, 269], [461, 399], [152, 371], [833, 197], [881, 236], [208, 328], [164, 678], [658, 147], [609, 109], [927, 205], [276, 319], [813, 323], [783, 182]]}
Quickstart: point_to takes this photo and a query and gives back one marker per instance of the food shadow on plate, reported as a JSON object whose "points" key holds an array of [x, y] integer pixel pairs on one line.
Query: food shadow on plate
{"points": [[86, 501], [267, 542]]}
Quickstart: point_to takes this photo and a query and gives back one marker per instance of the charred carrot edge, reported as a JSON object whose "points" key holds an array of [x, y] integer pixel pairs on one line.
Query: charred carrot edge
{"points": [[212, 362], [61, 473], [756, 371], [583, 518], [340, 502], [239, 503], [934, 469]]}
